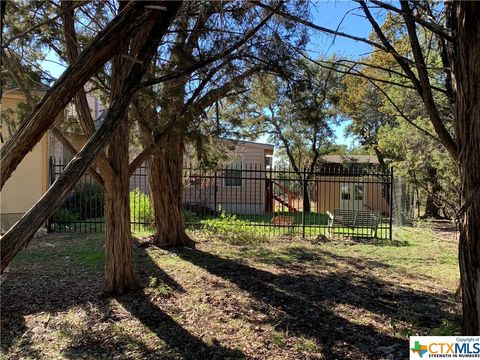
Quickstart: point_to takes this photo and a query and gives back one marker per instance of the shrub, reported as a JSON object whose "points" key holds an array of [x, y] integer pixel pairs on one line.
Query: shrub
{"points": [[189, 216], [87, 200], [141, 207], [63, 218], [233, 230]]}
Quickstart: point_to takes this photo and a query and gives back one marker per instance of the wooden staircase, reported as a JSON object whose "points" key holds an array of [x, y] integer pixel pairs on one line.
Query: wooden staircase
{"points": [[284, 203], [283, 195]]}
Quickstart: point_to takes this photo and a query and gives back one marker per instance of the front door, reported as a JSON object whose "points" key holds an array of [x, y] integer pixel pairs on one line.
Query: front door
{"points": [[352, 196]]}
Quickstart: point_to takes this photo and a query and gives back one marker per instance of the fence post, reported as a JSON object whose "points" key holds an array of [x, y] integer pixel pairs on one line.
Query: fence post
{"points": [[51, 177], [304, 197], [391, 201], [215, 195]]}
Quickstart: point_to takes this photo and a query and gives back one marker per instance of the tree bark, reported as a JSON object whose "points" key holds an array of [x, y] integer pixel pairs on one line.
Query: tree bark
{"points": [[119, 270], [464, 21], [3, 7], [306, 203], [21, 233], [432, 209], [102, 48], [166, 184]]}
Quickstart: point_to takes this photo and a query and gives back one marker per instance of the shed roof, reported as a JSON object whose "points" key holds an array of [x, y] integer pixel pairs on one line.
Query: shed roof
{"points": [[360, 159]]}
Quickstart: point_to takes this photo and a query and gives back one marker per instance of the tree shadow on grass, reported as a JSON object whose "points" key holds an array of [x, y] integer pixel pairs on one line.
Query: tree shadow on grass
{"points": [[51, 290], [301, 254], [177, 343], [307, 303]]}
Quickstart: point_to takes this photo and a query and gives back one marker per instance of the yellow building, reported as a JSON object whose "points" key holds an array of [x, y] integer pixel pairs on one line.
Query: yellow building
{"points": [[30, 180]]}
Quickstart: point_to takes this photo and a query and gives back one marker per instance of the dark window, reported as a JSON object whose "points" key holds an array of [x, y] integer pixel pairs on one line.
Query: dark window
{"points": [[233, 175], [345, 192]]}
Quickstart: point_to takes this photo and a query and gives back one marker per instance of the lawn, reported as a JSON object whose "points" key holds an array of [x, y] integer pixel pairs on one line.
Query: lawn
{"points": [[252, 224], [282, 298]]}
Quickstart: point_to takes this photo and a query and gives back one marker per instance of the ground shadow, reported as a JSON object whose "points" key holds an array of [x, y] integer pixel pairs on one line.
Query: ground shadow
{"points": [[50, 290], [304, 302]]}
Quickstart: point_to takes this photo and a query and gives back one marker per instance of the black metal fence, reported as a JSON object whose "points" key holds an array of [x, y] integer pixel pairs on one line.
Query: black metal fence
{"points": [[350, 200]]}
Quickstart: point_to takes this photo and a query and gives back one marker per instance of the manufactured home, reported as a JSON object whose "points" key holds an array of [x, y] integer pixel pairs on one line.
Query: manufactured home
{"points": [[239, 187]]}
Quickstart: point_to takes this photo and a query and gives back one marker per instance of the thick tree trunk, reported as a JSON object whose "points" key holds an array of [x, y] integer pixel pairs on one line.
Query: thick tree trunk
{"points": [[119, 271], [20, 234], [166, 184], [469, 254], [464, 20], [432, 208], [101, 49]]}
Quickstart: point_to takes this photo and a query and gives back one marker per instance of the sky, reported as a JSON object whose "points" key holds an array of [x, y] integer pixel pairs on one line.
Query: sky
{"points": [[332, 14], [346, 17]]}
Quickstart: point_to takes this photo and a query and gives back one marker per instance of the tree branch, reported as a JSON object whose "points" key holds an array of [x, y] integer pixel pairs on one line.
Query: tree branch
{"points": [[225, 53], [425, 87], [67, 144], [433, 27], [102, 47], [81, 102]]}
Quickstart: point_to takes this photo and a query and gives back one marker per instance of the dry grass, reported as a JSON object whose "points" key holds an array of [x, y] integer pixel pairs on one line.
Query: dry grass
{"points": [[284, 299]]}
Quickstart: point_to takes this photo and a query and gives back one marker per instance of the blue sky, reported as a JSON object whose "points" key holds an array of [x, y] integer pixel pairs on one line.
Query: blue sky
{"points": [[331, 14], [345, 16]]}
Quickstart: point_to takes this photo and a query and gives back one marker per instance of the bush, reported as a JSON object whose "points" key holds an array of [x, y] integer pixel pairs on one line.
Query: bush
{"points": [[87, 200], [63, 218], [141, 207], [189, 216], [233, 230]]}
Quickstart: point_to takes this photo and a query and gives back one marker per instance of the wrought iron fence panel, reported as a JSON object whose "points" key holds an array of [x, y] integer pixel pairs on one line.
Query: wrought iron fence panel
{"points": [[352, 200]]}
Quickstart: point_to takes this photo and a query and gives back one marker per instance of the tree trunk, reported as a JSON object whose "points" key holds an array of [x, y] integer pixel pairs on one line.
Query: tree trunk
{"points": [[166, 184], [119, 271], [432, 208], [464, 20], [20, 234], [306, 202]]}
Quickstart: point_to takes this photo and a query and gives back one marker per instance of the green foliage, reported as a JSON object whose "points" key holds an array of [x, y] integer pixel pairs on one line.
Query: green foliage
{"points": [[87, 199], [447, 328], [189, 216], [141, 207], [296, 109], [421, 161], [233, 230], [65, 216]]}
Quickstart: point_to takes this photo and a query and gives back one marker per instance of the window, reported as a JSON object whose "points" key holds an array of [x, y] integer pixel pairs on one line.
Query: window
{"points": [[268, 161], [345, 192], [358, 192], [233, 175]]}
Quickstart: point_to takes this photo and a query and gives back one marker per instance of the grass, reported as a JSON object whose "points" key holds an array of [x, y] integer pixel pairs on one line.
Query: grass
{"points": [[278, 298], [240, 227]]}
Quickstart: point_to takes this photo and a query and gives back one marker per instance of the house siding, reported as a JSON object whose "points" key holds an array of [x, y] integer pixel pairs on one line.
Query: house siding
{"points": [[328, 194], [29, 181], [249, 198]]}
